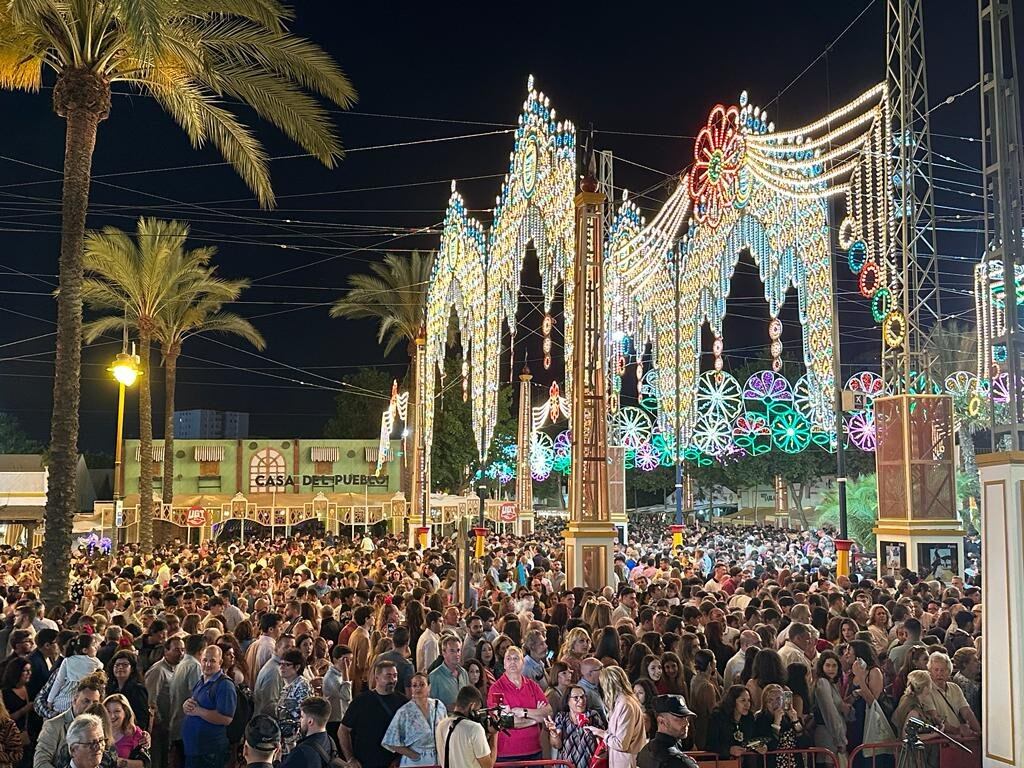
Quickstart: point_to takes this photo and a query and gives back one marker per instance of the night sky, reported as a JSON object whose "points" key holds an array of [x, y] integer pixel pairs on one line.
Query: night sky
{"points": [[644, 76]]}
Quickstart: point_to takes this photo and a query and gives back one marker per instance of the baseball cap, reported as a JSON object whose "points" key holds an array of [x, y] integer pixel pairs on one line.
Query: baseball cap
{"points": [[262, 733], [672, 705]]}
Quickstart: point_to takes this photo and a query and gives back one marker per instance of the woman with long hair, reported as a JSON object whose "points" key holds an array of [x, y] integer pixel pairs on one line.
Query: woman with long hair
{"points": [[689, 644], [17, 702], [568, 731], [703, 694], [560, 679], [625, 735], [714, 634], [129, 739], [672, 674], [415, 620], [766, 670], [796, 682], [779, 726], [916, 657], [607, 646], [829, 708], [126, 679], [635, 667], [412, 729], [575, 648], [501, 644], [879, 622], [485, 655], [867, 684], [654, 672], [478, 676], [731, 726]]}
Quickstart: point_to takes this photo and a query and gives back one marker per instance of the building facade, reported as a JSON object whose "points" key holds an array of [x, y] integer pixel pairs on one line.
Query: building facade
{"points": [[272, 485]]}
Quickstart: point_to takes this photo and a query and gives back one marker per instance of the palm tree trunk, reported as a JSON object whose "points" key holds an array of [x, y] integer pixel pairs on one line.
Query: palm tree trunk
{"points": [[84, 100], [145, 443], [170, 381]]}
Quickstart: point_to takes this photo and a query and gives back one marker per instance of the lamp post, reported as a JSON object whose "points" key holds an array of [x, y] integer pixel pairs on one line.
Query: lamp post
{"points": [[126, 370]]}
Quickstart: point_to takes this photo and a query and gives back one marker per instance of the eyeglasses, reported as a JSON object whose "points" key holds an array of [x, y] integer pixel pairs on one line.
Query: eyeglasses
{"points": [[93, 746], [578, 696]]}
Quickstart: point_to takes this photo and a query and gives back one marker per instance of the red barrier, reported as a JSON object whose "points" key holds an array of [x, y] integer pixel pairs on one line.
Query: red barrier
{"points": [[810, 758], [526, 764], [949, 755]]}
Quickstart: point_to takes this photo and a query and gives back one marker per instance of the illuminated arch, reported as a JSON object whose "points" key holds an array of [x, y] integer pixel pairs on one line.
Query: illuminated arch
{"points": [[265, 461], [479, 276]]}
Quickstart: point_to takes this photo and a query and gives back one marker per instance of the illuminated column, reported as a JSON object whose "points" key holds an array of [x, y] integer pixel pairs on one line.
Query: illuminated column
{"points": [[1002, 563], [524, 480], [590, 536], [419, 491], [918, 526]]}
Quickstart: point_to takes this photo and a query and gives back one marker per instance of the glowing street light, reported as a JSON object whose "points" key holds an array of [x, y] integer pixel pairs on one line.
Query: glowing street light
{"points": [[125, 368]]}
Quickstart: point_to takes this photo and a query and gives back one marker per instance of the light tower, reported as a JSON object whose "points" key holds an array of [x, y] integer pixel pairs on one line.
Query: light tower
{"points": [[591, 535], [914, 456], [524, 478]]}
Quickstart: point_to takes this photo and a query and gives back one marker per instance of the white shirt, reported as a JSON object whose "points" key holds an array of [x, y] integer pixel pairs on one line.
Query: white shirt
{"points": [[468, 742], [426, 649]]}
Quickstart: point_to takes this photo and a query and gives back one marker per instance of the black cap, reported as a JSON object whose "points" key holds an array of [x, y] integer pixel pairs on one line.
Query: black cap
{"points": [[263, 734], [672, 705]]}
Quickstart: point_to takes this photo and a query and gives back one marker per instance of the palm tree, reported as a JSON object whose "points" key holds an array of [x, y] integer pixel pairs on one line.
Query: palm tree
{"points": [[138, 282], [191, 56], [184, 320], [395, 295]]}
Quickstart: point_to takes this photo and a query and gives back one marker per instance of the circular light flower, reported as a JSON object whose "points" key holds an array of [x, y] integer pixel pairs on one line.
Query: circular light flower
{"points": [[790, 431], [718, 154], [860, 429]]}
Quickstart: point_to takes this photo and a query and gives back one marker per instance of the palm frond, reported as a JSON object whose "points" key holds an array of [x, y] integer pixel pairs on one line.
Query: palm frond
{"points": [[270, 13], [143, 23], [299, 116], [291, 57], [109, 325], [240, 148]]}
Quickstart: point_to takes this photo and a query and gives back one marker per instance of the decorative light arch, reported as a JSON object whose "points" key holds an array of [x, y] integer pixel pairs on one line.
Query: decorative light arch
{"points": [[478, 274], [753, 189]]}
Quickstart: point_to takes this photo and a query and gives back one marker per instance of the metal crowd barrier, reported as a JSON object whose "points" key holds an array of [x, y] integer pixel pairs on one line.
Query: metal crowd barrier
{"points": [[939, 753], [810, 756]]}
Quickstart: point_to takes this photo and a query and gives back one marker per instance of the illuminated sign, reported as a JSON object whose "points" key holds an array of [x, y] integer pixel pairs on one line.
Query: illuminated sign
{"points": [[319, 481]]}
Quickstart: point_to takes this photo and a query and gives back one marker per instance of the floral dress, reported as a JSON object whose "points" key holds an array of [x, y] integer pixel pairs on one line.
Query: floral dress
{"points": [[409, 728], [294, 693], [578, 744]]}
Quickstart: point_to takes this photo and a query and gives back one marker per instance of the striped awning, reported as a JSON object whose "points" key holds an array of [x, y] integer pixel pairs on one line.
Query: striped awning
{"points": [[324, 453], [158, 453], [373, 453], [208, 453]]}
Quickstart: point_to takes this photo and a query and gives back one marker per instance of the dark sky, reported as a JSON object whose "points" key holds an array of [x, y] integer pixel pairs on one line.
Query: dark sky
{"points": [[426, 71]]}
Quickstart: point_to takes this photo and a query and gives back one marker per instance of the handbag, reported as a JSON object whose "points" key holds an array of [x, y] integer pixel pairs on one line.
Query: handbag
{"points": [[877, 730], [40, 703]]}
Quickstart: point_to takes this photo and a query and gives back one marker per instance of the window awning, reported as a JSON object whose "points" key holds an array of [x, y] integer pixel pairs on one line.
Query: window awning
{"points": [[208, 453], [324, 453], [373, 453], [158, 453]]}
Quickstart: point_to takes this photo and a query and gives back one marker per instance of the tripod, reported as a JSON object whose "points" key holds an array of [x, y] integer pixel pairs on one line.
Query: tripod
{"points": [[914, 754]]}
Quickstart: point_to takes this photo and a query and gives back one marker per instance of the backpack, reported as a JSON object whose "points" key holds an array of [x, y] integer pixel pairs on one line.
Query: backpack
{"points": [[243, 711]]}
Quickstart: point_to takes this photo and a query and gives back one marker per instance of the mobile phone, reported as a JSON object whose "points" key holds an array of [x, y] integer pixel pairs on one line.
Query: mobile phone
{"points": [[551, 655], [391, 629], [787, 700]]}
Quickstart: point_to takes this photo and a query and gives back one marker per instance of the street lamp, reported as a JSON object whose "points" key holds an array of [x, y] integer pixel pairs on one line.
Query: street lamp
{"points": [[126, 370]]}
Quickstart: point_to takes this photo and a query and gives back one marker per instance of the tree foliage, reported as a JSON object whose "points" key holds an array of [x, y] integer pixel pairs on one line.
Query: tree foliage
{"points": [[13, 439], [357, 411]]}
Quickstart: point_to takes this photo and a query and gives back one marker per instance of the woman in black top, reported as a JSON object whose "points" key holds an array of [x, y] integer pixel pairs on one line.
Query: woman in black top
{"points": [[731, 726], [124, 678], [779, 726], [14, 685]]}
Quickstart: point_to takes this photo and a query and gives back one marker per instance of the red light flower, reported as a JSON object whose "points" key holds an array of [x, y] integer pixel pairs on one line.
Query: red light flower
{"points": [[717, 156]]}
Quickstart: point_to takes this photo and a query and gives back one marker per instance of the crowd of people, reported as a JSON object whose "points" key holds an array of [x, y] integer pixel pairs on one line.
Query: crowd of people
{"points": [[324, 652]]}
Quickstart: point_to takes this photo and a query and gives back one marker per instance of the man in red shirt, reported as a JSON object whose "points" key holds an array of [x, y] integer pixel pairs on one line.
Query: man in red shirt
{"points": [[524, 699]]}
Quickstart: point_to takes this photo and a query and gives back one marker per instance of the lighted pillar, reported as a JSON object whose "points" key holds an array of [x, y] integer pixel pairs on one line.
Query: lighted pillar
{"points": [[419, 491], [590, 536], [918, 526], [843, 557], [524, 480], [617, 490], [1002, 563]]}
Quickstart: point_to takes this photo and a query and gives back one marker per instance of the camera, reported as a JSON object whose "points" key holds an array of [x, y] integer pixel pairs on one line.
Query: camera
{"points": [[493, 719]]}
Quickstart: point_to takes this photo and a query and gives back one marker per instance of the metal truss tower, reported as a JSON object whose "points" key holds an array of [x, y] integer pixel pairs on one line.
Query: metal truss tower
{"points": [[1003, 178], [913, 252]]}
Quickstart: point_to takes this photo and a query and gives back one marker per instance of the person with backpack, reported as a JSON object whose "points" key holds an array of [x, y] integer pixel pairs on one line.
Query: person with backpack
{"points": [[316, 748]]}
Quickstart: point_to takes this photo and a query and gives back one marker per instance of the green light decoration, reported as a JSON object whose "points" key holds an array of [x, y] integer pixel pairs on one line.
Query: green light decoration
{"points": [[791, 432], [881, 303]]}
